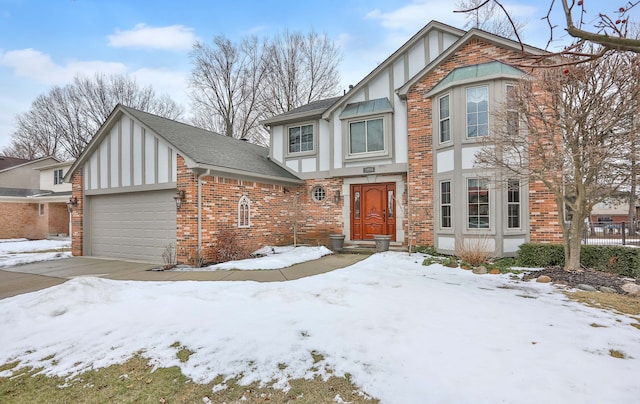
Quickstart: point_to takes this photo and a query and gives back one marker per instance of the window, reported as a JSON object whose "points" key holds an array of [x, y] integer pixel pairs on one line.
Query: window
{"points": [[318, 194], [41, 209], [513, 117], [513, 204], [366, 136], [478, 203], [58, 178], [244, 212], [356, 205], [445, 128], [477, 111], [300, 138], [445, 204]]}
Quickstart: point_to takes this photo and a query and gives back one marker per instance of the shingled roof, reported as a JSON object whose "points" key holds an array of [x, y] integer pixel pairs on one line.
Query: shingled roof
{"points": [[205, 149], [307, 110]]}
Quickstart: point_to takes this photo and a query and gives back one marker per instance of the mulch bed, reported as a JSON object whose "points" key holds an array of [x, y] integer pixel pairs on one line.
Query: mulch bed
{"points": [[586, 276]]}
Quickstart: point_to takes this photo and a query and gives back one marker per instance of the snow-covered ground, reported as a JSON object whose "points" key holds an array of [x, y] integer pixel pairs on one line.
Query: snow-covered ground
{"points": [[270, 258], [405, 332], [23, 251]]}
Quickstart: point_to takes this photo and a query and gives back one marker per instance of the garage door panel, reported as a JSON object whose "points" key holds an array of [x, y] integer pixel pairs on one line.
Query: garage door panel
{"points": [[136, 226]]}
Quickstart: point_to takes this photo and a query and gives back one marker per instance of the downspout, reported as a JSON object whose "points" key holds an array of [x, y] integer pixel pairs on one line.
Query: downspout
{"points": [[200, 209]]}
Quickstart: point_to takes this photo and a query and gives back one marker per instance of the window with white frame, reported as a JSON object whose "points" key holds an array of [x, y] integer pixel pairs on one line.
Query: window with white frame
{"points": [[513, 117], [58, 178], [477, 111], [244, 212], [300, 138], [513, 204], [478, 203], [445, 204], [366, 136], [445, 123], [41, 209]]}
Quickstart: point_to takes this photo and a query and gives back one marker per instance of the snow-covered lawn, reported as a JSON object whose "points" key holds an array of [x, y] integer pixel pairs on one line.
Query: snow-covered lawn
{"points": [[405, 332], [270, 258], [23, 251]]}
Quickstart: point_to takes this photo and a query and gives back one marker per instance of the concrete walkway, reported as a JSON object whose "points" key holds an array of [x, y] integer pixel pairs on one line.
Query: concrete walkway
{"points": [[39, 275]]}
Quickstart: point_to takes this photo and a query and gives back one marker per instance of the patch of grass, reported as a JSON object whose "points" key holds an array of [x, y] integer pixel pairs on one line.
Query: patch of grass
{"points": [[621, 303], [137, 381], [184, 353], [595, 325], [616, 354]]}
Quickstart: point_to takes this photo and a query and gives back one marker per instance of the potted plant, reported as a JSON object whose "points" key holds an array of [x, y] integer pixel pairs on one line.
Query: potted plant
{"points": [[337, 241]]}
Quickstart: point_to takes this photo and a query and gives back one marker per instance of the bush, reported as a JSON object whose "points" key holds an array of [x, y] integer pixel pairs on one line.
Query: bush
{"points": [[229, 248], [614, 259], [475, 251]]}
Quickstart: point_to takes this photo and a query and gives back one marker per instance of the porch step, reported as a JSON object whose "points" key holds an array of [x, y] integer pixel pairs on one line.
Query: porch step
{"points": [[369, 248]]}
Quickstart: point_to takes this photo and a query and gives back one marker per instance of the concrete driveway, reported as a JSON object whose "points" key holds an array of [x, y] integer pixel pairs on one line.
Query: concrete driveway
{"points": [[39, 275]]}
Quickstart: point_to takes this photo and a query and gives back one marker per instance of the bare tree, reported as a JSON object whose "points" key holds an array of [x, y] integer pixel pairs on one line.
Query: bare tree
{"points": [[62, 122], [235, 85], [302, 68], [608, 29], [565, 127], [226, 87], [489, 18]]}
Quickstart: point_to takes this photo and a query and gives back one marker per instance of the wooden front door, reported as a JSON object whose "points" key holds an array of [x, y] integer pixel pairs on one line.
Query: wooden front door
{"points": [[373, 210]]}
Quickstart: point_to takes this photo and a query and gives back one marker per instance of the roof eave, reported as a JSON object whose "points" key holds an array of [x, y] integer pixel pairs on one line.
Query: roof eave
{"points": [[235, 173]]}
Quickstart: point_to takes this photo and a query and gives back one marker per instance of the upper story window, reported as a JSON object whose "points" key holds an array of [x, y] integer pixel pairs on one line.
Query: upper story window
{"points": [[477, 111], [513, 117], [300, 138], [58, 178], [366, 136], [445, 124]]}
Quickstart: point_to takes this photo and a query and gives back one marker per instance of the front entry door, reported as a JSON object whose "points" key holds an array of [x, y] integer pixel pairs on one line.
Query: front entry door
{"points": [[373, 210]]}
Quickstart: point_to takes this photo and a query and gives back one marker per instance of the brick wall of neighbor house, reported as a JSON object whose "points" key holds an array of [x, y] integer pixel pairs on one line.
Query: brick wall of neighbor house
{"points": [[22, 220], [58, 217], [77, 215], [420, 132]]}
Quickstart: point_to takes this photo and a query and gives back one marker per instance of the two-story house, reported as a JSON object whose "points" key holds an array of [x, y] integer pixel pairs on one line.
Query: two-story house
{"points": [[33, 198], [395, 155]]}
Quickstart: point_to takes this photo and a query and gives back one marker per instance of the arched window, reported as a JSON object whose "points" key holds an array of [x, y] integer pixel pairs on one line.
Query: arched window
{"points": [[244, 212]]}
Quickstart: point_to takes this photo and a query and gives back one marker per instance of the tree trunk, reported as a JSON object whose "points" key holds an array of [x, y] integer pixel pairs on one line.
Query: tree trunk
{"points": [[574, 245]]}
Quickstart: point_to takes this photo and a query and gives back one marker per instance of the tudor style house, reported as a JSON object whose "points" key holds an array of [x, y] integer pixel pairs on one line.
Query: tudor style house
{"points": [[393, 156]]}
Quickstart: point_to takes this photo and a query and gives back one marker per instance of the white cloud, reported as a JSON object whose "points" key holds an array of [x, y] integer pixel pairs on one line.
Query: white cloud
{"points": [[417, 14], [33, 64], [173, 37]]}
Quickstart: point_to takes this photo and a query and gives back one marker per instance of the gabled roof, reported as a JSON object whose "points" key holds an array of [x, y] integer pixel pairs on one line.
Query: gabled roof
{"points": [[201, 149], [10, 163], [6, 162], [392, 58], [310, 110], [473, 33]]}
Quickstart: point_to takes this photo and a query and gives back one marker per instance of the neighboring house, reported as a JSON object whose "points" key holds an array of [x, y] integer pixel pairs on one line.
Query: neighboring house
{"points": [[611, 210], [394, 156], [33, 198]]}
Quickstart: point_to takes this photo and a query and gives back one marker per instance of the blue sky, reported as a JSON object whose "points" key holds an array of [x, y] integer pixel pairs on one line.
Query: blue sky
{"points": [[45, 43]]}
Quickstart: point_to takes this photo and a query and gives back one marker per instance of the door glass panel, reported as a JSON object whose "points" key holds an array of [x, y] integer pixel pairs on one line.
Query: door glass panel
{"points": [[390, 203], [356, 204]]}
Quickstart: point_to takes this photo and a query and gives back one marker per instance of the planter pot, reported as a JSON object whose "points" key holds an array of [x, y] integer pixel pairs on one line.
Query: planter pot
{"points": [[382, 242], [337, 241]]}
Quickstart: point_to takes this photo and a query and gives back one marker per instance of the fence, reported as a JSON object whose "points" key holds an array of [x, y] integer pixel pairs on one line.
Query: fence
{"points": [[611, 234]]}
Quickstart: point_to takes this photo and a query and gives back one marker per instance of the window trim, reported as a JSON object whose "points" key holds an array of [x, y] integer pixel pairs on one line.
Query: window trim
{"points": [[509, 110], [387, 134], [58, 179], [318, 188], [441, 119], [314, 128], [41, 209], [466, 115], [490, 216], [244, 212], [442, 204], [509, 203]]}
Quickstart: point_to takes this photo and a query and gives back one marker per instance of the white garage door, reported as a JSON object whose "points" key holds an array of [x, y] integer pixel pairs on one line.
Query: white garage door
{"points": [[133, 226]]}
